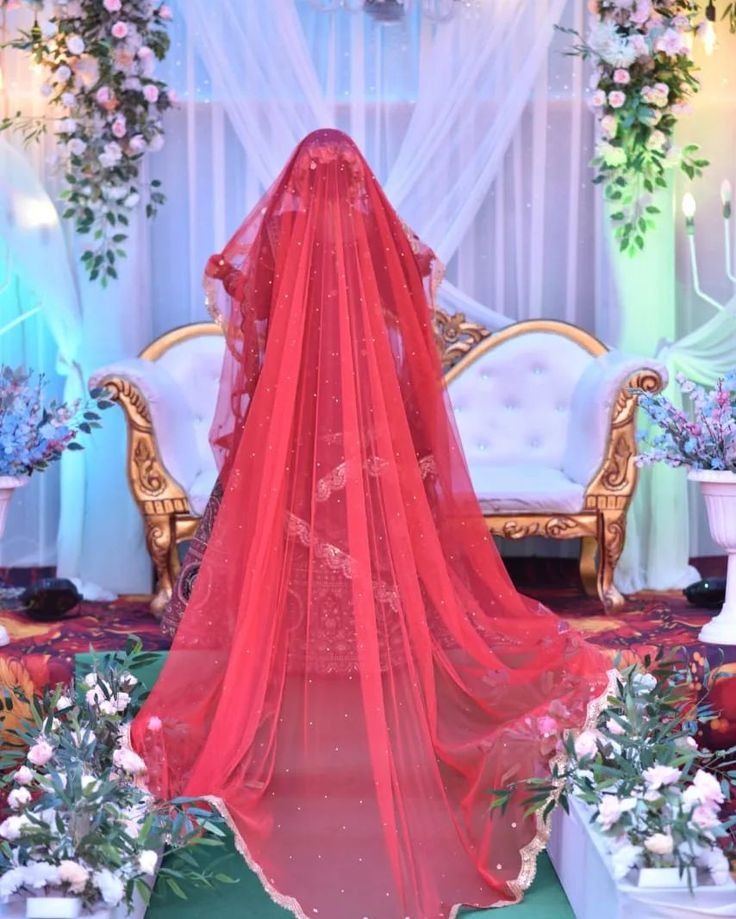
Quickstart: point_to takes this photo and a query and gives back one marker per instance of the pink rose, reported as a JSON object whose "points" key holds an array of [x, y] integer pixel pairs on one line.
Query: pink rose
{"points": [[704, 817], [150, 93], [145, 52], [112, 6], [598, 99], [40, 753], [103, 95], [119, 127], [621, 76], [119, 30], [616, 99], [164, 12], [23, 776], [137, 143]]}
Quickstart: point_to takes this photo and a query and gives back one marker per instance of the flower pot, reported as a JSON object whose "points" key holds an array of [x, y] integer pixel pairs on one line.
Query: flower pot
{"points": [[662, 877], [8, 486], [719, 492], [53, 907]]}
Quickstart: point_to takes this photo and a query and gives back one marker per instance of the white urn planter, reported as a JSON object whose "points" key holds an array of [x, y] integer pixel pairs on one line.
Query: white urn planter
{"points": [[662, 877], [719, 493], [53, 907], [9, 484]]}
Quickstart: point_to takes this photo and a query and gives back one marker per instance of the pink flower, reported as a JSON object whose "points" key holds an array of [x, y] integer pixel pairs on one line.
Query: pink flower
{"points": [[23, 776], [598, 99], [672, 43], [704, 817], [137, 143], [621, 76], [145, 52], [41, 752], [119, 29], [611, 809], [639, 46], [616, 98], [642, 12], [609, 125], [112, 6], [103, 95], [614, 727], [659, 844], [164, 12], [150, 93], [119, 127], [657, 776]]}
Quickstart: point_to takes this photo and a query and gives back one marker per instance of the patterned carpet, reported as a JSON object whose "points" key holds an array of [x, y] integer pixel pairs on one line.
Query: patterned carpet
{"points": [[41, 653]]}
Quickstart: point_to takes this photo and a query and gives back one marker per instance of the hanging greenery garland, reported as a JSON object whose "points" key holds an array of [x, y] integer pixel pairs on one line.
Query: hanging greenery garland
{"points": [[105, 109], [643, 79]]}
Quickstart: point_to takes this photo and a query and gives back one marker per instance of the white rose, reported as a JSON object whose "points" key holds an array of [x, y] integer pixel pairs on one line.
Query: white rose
{"points": [[68, 99], [94, 696], [586, 744], [46, 90], [39, 874], [623, 857], [64, 702], [75, 44], [109, 885], [12, 827], [63, 73], [659, 844], [18, 798], [156, 143], [107, 707], [147, 861], [73, 874], [128, 761], [658, 776], [89, 783], [10, 882], [131, 201], [644, 682], [90, 680], [127, 678]]}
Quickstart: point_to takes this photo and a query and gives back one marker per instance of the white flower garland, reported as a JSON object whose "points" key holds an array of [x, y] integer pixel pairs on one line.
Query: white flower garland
{"points": [[106, 107]]}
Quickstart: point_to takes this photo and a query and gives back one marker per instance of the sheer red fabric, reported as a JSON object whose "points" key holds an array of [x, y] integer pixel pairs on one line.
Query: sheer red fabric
{"points": [[354, 669]]}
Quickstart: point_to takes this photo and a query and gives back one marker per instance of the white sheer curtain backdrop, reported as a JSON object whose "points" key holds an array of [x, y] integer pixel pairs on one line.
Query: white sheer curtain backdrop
{"points": [[477, 127]]}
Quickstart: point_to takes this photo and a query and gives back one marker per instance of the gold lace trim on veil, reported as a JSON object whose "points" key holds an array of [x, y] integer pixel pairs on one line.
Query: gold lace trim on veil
{"points": [[529, 853]]}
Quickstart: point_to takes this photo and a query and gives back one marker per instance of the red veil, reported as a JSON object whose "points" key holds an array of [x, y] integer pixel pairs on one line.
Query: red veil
{"points": [[354, 669]]}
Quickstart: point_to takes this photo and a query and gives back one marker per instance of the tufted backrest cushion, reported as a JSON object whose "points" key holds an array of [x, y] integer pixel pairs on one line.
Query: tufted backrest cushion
{"points": [[512, 404], [194, 366]]}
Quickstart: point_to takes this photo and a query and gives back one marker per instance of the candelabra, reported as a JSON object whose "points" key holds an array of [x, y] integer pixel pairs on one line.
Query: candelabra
{"points": [[688, 209]]}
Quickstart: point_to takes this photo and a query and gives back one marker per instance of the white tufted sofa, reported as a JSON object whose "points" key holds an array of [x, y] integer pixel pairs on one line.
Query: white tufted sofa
{"points": [[547, 421], [542, 408]]}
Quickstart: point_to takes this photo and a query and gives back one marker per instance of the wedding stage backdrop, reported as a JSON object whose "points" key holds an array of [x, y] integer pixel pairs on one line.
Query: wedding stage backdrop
{"points": [[480, 132]]}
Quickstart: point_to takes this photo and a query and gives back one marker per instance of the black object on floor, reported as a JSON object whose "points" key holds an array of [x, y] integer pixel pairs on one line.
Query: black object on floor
{"points": [[50, 598], [709, 593]]}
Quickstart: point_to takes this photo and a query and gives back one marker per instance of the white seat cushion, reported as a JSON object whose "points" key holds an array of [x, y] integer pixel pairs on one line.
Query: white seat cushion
{"points": [[201, 488], [525, 489]]}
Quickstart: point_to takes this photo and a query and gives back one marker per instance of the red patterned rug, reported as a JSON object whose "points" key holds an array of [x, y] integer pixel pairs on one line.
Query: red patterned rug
{"points": [[43, 653]]}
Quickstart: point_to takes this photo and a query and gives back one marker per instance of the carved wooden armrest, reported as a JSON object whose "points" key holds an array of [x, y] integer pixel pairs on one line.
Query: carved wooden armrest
{"points": [[615, 481], [154, 488]]}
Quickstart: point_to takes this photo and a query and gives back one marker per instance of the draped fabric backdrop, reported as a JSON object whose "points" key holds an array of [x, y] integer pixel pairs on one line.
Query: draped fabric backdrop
{"points": [[479, 132]]}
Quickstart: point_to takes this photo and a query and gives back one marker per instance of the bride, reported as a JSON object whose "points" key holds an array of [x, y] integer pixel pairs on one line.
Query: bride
{"points": [[353, 670]]}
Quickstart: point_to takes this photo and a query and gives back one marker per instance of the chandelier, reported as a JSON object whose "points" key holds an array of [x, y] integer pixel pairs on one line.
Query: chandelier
{"points": [[390, 11]]}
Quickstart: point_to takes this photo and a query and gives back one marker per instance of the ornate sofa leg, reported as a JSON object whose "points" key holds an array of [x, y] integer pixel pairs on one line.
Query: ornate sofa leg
{"points": [[162, 549], [588, 575], [612, 531]]}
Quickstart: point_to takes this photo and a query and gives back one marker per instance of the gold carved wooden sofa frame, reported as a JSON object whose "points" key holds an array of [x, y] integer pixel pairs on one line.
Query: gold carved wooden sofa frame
{"points": [[601, 525]]}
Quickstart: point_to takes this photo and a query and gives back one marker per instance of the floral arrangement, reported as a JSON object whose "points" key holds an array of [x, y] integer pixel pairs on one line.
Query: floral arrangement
{"points": [[643, 78], [106, 106], [704, 440], [653, 793], [33, 433], [81, 822]]}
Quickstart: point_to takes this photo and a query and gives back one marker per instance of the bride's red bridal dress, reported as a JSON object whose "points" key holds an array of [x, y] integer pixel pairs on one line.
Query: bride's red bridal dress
{"points": [[353, 670]]}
